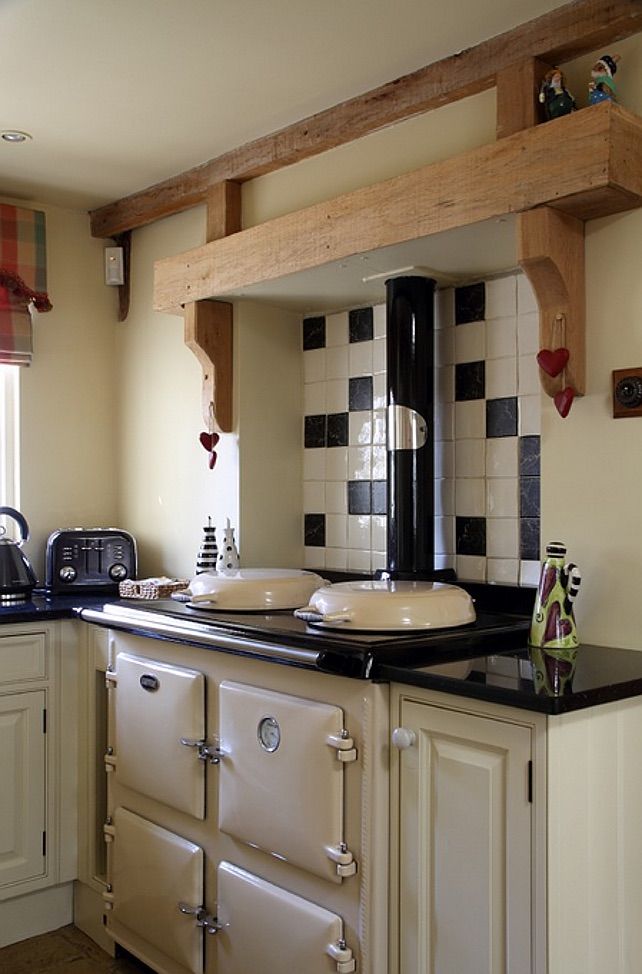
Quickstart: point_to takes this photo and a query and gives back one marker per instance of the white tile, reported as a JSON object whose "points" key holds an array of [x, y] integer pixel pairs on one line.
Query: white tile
{"points": [[470, 419], [360, 358], [529, 572], [336, 396], [336, 498], [444, 535], [314, 398], [359, 531], [379, 391], [336, 530], [444, 459], [445, 384], [502, 571], [314, 467], [526, 300], [336, 362], [379, 463], [359, 462], [471, 568], [379, 561], [502, 496], [502, 537], [445, 421], [379, 532], [502, 456], [501, 337], [445, 307], [445, 346], [336, 463], [470, 458], [470, 342], [527, 375], [337, 559], [359, 561], [313, 497], [530, 415], [379, 355], [314, 365], [336, 329], [528, 334], [313, 557], [445, 561], [444, 497], [360, 428], [379, 320], [501, 378], [379, 427], [470, 497], [501, 297]]}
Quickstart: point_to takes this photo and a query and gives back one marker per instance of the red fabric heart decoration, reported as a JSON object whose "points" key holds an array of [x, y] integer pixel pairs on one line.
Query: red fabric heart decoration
{"points": [[552, 362], [564, 400], [209, 440]]}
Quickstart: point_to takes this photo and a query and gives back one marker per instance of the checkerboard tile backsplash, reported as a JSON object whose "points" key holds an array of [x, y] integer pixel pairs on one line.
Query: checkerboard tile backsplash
{"points": [[487, 429]]}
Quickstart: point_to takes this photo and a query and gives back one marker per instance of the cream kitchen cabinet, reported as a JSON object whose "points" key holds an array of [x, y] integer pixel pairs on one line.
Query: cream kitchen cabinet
{"points": [[38, 771]]}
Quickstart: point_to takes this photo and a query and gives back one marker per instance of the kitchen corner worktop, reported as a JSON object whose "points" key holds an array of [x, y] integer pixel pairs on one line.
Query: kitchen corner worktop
{"points": [[499, 666]]}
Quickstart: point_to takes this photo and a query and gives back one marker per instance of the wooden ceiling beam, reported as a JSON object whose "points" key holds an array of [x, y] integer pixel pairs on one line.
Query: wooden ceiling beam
{"points": [[557, 36]]}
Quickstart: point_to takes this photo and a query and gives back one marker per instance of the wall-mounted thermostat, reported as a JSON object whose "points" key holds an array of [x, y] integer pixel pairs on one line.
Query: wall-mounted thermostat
{"points": [[114, 265]]}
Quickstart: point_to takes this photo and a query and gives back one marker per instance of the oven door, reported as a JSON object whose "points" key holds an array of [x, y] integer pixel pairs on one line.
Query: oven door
{"points": [[159, 711], [282, 777]]}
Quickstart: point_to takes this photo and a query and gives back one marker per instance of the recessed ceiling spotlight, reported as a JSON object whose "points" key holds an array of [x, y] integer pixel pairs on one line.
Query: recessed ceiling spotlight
{"points": [[12, 135]]}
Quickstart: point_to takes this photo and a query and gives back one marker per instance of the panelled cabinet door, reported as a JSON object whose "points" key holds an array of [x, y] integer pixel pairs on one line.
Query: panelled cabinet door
{"points": [[464, 854], [22, 788]]}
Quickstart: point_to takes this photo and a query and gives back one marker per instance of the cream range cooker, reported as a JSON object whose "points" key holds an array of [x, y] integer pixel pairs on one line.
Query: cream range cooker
{"points": [[247, 820]]}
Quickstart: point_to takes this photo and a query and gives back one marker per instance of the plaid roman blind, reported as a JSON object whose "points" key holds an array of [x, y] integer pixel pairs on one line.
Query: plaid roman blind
{"points": [[23, 280]]}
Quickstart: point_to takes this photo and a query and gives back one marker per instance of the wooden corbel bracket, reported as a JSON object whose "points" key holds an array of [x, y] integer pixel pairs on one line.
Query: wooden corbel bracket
{"points": [[550, 249], [208, 333]]}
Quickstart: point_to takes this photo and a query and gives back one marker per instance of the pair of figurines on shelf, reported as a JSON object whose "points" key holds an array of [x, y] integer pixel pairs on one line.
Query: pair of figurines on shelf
{"points": [[211, 557], [557, 99]]}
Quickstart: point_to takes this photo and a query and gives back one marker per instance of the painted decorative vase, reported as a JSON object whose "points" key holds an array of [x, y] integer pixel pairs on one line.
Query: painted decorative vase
{"points": [[553, 624], [228, 556], [553, 670], [208, 552]]}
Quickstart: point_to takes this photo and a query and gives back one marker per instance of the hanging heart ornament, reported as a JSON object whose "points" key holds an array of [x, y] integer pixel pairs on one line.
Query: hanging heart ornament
{"points": [[564, 400], [552, 362], [208, 441]]}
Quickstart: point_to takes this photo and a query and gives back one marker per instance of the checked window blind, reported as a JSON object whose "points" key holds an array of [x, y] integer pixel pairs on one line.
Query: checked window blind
{"points": [[23, 280]]}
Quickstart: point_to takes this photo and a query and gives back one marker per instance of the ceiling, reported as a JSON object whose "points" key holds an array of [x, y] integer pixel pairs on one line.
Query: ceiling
{"points": [[120, 94]]}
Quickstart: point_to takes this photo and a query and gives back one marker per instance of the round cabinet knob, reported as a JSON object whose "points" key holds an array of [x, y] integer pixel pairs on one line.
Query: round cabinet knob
{"points": [[117, 572], [403, 738], [67, 573]]}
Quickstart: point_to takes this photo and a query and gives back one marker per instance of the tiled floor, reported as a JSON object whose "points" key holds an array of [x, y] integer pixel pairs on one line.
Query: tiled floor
{"points": [[64, 951]]}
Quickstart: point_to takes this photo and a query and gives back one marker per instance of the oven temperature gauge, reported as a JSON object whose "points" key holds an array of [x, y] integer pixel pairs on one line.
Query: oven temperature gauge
{"points": [[269, 733]]}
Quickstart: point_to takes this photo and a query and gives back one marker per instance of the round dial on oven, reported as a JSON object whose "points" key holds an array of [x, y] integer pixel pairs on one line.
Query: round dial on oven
{"points": [[269, 733]]}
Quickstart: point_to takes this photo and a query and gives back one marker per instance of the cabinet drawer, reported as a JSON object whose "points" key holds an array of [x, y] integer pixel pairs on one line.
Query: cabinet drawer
{"points": [[23, 657]]}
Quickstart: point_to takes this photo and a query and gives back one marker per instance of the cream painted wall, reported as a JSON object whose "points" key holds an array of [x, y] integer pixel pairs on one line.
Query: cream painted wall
{"points": [[68, 429]]}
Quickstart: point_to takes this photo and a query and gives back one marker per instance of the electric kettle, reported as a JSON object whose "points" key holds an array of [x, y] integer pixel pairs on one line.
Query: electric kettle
{"points": [[17, 578]]}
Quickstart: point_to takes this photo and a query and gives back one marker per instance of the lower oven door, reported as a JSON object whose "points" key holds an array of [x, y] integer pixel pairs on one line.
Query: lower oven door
{"points": [[268, 930], [156, 880], [282, 777]]}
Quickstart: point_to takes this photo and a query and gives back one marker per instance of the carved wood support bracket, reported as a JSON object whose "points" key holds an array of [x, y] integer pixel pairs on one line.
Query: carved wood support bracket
{"points": [[208, 333], [124, 240], [550, 249]]}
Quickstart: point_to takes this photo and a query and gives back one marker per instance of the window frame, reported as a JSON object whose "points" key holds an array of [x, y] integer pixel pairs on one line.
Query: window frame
{"points": [[9, 435]]}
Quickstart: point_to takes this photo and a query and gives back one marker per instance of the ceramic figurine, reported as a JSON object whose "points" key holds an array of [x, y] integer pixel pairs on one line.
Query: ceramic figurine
{"points": [[208, 552], [553, 624], [554, 95], [601, 86], [228, 556]]}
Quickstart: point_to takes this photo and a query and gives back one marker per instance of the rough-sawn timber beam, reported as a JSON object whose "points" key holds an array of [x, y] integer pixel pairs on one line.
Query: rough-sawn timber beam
{"points": [[558, 35], [588, 164]]}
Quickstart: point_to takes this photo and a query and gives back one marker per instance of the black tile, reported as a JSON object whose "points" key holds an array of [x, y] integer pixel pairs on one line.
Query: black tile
{"points": [[360, 325], [314, 431], [529, 543], [337, 429], [529, 494], [470, 303], [501, 417], [471, 535], [529, 454], [313, 333], [359, 497], [470, 381], [315, 530], [360, 393], [379, 497]]}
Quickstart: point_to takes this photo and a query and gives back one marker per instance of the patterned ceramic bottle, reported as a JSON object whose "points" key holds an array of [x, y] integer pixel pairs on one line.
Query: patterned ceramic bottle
{"points": [[228, 556], [208, 552], [553, 626]]}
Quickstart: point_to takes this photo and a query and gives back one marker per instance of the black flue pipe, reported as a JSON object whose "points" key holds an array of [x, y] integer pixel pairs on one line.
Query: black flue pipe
{"points": [[410, 421]]}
